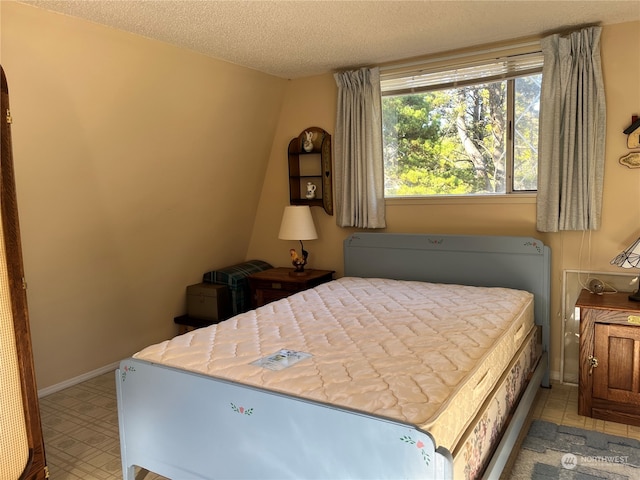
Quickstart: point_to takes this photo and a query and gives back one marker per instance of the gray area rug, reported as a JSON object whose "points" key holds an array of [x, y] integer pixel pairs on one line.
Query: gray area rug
{"points": [[552, 451]]}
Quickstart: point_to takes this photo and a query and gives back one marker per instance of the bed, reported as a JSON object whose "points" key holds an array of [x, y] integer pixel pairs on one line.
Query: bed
{"points": [[334, 382]]}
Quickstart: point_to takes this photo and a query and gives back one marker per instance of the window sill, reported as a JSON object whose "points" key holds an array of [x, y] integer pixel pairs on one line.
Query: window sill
{"points": [[519, 198]]}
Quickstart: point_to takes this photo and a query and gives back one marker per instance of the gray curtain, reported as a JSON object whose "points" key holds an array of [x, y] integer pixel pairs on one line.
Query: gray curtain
{"points": [[572, 133], [358, 150]]}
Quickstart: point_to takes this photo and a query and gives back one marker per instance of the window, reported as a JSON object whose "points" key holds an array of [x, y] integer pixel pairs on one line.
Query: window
{"points": [[470, 129]]}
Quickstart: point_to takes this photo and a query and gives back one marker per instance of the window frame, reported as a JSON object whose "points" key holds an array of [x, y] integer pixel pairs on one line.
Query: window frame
{"points": [[509, 56]]}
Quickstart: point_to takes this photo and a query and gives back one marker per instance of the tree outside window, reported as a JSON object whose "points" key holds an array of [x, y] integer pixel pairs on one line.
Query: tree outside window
{"points": [[478, 139]]}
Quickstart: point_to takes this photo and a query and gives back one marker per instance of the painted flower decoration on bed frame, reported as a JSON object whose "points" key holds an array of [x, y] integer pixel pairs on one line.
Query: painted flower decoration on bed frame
{"points": [[127, 368], [242, 410], [419, 444], [535, 245]]}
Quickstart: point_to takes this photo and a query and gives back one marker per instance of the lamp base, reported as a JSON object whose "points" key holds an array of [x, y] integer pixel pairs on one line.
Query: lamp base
{"points": [[635, 297], [304, 273]]}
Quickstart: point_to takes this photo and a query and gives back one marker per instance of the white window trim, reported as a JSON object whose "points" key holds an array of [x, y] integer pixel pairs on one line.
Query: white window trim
{"points": [[451, 59], [527, 50], [498, 199], [461, 74]]}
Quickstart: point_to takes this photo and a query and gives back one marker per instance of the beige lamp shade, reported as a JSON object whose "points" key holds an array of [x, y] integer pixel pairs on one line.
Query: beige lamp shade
{"points": [[297, 224]]}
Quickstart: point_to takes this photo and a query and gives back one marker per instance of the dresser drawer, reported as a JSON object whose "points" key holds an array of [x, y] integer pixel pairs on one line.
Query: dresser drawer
{"points": [[619, 317]]}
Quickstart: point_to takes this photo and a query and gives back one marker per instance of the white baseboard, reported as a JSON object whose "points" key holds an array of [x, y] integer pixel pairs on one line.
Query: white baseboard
{"points": [[76, 380]]}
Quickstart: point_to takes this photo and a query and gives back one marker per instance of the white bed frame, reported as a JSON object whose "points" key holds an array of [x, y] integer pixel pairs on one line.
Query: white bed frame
{"points": [[185, 425]]}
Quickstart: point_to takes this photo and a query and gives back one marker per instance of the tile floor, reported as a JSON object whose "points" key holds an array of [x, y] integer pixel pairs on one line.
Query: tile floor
{"points": [[559, 405], [80, 426]]}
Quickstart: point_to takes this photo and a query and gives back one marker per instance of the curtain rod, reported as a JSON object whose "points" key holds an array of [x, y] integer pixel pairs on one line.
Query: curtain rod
{"points": [[427, 61]]}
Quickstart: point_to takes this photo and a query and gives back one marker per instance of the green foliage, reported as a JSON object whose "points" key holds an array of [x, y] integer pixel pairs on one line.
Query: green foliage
{"points": [[453, 142], [526, 133]]}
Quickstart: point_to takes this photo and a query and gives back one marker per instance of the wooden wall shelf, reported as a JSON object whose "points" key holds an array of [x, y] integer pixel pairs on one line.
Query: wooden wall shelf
{"points": [[313, 166]]}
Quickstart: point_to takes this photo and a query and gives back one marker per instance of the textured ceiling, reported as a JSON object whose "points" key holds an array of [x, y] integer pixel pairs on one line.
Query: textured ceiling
{"points": [[294, 39]]}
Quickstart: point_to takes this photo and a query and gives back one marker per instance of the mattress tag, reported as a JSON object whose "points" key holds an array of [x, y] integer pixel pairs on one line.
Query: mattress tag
{"points": [[635, 319], [281, 359]]}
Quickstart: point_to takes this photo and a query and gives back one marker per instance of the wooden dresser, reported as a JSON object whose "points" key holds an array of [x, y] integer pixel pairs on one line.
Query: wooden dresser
{"points": [[609, 357]]}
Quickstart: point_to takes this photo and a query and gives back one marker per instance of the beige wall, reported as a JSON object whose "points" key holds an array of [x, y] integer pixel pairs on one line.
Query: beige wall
{"points": [[139, 167], [311, 101]]}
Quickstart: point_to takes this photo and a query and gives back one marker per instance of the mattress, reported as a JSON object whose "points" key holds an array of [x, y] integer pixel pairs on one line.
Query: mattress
{"points": [[419, 353], [474, 450]]}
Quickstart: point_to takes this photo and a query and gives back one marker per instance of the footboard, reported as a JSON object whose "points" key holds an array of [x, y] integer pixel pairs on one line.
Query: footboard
{"points": [[185, 425]]}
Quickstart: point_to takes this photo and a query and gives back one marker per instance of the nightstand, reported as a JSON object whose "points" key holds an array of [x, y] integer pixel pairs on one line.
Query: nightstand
{"points": [[277, 283], [609, 357]]}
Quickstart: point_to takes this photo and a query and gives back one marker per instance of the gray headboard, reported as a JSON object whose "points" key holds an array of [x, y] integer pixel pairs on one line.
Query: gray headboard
{"points": [[494, 261]]}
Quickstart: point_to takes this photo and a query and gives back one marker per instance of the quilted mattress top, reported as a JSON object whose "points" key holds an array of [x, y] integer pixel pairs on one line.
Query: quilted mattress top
{"points": [[420, 353]]}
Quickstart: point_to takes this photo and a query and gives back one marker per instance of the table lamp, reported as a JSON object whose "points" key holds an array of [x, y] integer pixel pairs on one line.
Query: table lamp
{"points": [[630, 258], [297, 224]]}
